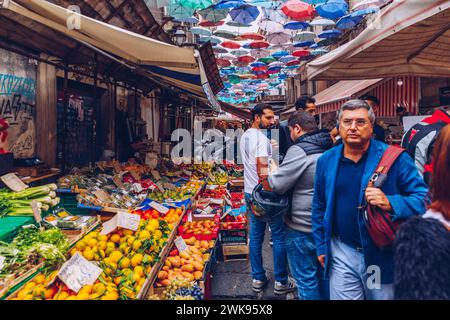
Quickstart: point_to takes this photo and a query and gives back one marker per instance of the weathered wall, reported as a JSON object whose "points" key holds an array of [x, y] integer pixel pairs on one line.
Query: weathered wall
{"points": [[18, 102]]}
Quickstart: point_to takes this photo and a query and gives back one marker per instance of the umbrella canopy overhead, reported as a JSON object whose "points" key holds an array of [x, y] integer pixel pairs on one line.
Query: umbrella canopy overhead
{"points": [[206, 23], [319, 51], [200, 31], [298, 10], [246, 59], [267, 59], [239, 53], [300, 53], [237, 24], [260, 53], [279, 54], [322, 22], [225, 34], [303, 44], [348, 22], [305, 36], [278, 38], [219, 50], [296, 25], [178, 10], [230, 45], [212, 14], [393, 50], [270, 26], [258, 45], [197, 4], [252, 36], [244, 14], [223, 62], [228, 4], [333, 33], [192, 20], [332, 9], [364, 12]]}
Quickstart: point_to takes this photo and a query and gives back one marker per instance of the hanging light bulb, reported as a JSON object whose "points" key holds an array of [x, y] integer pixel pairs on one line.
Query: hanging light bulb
{"points": [[400, 82]]}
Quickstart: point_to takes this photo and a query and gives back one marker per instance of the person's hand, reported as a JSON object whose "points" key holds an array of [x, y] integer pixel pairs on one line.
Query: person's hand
{"points": [[272, 167], [376, 197], [321, 259], [274, 143]]}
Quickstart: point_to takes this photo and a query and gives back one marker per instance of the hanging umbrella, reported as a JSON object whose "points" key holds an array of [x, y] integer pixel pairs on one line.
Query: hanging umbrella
{"points": [[300, 53], [206, 23], [219, 50], [305, 36], [225, 34], [223, 62], [332, 33], [237, 24], [262, 76], [234, 78], [252, 36], [270, 26], [257, 64], [213, 40], [298, 10], [227, 56], [278, 37], [178, 10], [200, 31], [280, 54], [239, 53], [303, 44], [273, 71], [348, 22], [293, 63], [212, 14], [192, 20], [314, 1], [267, 60], [365, 4], [296, 25], [319, 51], [197, 4], [327, 42], [276, 15], [260, 53], [263, 3], [364, 12], [322, 22], [276, 64], [227, 71], [287, 58], [256, 70], [240, 64], [258, 44], [246, 59], [228, 4], [230, 45], [244, 14], [332, 9]]}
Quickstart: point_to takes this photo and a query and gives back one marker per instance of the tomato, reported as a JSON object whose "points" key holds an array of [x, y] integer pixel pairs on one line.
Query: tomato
{"points": [[155, 214], [146, 216]]}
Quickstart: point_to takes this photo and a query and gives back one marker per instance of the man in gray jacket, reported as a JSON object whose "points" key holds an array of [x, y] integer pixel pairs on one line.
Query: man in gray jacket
{"points": [[295, 176]]}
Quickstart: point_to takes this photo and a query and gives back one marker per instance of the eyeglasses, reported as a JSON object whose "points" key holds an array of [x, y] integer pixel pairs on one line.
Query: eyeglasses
{"points": [[360, 123]]}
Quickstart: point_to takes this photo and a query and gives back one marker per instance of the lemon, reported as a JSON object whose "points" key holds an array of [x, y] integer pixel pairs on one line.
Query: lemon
{"points": [[110, 244], [139, 270], [103, 237], [86, 289], [154, 223], [82, 296], [115, 256], [130, 240], [136, 245], [81, 245], [88, 254], [127, 232], [115, 238], [136, 259], [150, 228], [71, 298], [144, 234], [102, 245], [29, 286], [157, 235], [124, 263], [99, 288]]}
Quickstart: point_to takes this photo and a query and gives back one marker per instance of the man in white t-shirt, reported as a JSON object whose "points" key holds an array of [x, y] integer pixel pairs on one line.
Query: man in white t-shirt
{"points": [[256, 152]]}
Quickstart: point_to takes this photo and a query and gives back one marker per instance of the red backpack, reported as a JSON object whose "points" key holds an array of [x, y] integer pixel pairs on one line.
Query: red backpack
{"points": [[379, 223]]}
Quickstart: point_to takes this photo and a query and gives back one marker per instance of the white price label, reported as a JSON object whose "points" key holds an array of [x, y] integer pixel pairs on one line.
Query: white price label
{"points": [[36, 211], [158, 207], [137, 187], [109, 226], [13, 182], [2, 262], [79, 272], [217, 201], [180, 244], [128, 220]]}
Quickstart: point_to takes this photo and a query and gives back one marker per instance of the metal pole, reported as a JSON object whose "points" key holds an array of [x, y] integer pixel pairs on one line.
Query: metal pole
{"points": [[64, 121], [135, 112], [97, 113]]}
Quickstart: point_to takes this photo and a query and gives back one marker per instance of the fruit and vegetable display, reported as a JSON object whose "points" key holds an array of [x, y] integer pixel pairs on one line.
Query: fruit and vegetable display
{"points": [[180, 290], [199, 228], [171, 217], [219, 178], [19, 203], [233, 222], [186, 265], [178, 194]]}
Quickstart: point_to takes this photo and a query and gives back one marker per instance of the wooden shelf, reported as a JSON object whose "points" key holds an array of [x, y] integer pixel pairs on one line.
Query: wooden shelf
{"points": [[54, 172]]}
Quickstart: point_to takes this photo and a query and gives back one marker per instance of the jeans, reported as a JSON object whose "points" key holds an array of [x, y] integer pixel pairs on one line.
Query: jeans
{"points": [[350, 279], [257, 231], [301, 253]]}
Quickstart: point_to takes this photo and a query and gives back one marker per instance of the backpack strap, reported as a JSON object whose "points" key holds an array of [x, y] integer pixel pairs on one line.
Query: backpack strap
{"points": [[389, 157], [422, 132]]}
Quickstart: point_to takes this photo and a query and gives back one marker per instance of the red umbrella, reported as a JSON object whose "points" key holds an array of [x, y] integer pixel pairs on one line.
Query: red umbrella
{"points": [[298, 10], [300, 53], [252, 36], [246, 59], [262, 76], [273, 71], [230, 45], [293, 63], [206, 23], [259, 44], [223, 63], [258, 69]]}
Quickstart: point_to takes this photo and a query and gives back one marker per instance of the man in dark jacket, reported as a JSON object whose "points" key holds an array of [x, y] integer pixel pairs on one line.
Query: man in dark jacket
{"points": [[358, 269], [296, 176]]}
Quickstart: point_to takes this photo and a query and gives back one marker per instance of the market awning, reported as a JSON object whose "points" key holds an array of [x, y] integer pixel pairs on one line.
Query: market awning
{"points": [[330, 98], [238, 112], [407, 38], [168, 64]]}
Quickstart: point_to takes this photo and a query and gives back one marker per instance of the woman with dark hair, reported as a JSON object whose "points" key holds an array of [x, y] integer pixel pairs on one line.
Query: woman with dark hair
{"points": [[422, 246]]}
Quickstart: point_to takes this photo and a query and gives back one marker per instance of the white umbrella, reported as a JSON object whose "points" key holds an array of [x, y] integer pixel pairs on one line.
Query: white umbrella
{"points": [[260, 53], [305, 36], [369, 4], [239, 53], [278, 38], [275, 15], [322, 22], [270, 26]]}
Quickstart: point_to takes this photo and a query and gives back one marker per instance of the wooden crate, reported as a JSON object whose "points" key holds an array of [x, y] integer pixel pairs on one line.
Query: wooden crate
{"points": [[235, 252]]}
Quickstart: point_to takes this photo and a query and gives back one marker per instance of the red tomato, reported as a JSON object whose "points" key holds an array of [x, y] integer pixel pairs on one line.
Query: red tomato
{"points": [[146, 216]]}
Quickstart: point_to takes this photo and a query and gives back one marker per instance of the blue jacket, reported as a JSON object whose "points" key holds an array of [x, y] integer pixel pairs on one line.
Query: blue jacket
{"points": [[404, 187]]}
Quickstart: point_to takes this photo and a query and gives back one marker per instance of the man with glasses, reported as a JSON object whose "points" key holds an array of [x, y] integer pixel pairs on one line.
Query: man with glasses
{"points": [[357, 268]]}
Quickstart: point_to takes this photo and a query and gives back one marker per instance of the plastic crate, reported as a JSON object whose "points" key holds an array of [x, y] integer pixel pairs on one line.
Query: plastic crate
{"points": [[233, 236], [70, 203]]}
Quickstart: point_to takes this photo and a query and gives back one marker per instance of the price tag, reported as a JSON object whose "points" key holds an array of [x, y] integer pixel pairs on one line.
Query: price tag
{"points": [[118, 181], [117, 167], [136, 175], [78, 272], [158, 207], [137, 187], [160, 187], [180, 244], [13, 182], [189, 216], [128, 221], [2, 262], [155, 174], [36, 211], [217, 201]]}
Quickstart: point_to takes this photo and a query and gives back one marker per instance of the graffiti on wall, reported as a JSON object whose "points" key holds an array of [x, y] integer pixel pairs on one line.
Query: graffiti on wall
{"points": [[18, 102]]}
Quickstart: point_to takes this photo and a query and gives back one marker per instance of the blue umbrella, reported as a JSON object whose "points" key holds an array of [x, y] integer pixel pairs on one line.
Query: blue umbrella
{"points": [[257, 64], [280, 54], [332, 9], [314, 46], [244, 14], [322, 22], [363, 12], [188, 20], [326, 42], [319, 51], [348, 22], [303, 44], [287, 59], [315, 1], [333, 33], [246, 46], [296, 25], [228, 4]]}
